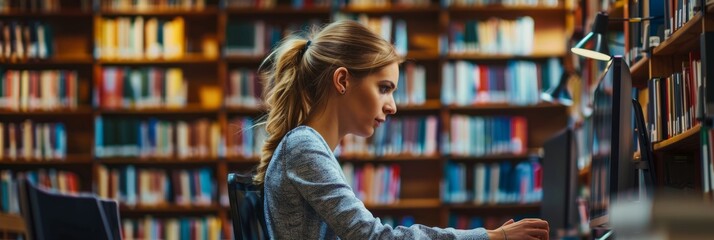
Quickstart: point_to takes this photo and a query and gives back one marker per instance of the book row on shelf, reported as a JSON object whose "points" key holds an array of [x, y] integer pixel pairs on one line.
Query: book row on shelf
{"points": [[372, 184], [136, 88], [149, 227], [134, 38], [154, 138], [413, 136], [494, 183], [157, 187], [31, 5], [28, 140], [492, 36], [146, 5], [671, 109], [517, 82], [38, 90], [25, 41], [57, 180], [484, 136], [668, 17], [463, 3]]}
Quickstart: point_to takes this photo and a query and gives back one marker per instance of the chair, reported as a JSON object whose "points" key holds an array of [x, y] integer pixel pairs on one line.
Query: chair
{"points": [[51, 215], [246, 202]]}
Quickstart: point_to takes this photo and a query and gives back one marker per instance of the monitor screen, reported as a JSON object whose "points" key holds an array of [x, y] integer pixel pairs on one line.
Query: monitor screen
{"points": [[612, 170]]}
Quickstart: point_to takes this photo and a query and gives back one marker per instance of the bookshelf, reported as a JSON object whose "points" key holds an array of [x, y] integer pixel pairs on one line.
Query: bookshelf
{"points": [[684, 153], [208, 64]]}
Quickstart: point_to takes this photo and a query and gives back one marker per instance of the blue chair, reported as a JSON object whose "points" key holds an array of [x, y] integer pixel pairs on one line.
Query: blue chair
{"points": [[246, 201]]}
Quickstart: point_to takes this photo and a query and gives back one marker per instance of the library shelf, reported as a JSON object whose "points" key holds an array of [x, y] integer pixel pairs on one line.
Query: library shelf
{"points": [[278, 10], [497, 157], [429, 105], [514, 207], [152, 161], [688, 140], [55, 112], [502, 57], [63, 13], [75, 159], [171, 209], [413, 203], [186, 60], [640, 72], [393, 158], [50, 62], [393, 10], [11, 222], [492, 10], [505, 107], [245, 110], [207, 11], [244, 59], [422, 55], [687, 35], [189, 109]]}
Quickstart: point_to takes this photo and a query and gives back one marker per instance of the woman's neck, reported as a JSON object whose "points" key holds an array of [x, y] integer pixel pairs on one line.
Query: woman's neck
{"points": [[324, 121]]}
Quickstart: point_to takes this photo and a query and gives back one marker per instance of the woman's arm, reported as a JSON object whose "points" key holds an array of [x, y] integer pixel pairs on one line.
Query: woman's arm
{"points": [[319, 180]]}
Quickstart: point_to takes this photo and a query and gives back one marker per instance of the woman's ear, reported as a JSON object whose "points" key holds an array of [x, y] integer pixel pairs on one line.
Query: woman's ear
{"points": [[340, 80]]}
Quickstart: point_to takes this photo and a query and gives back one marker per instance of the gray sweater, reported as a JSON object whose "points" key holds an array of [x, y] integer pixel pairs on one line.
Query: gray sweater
{"points": [[307, 197]]}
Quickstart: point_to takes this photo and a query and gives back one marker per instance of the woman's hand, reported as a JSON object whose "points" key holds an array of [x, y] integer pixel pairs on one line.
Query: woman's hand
{"points": [[529, 228]]}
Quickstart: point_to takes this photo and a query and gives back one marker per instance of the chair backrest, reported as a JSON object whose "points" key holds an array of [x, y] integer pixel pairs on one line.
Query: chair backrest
{"points": [[51, 215], [246, 201]]}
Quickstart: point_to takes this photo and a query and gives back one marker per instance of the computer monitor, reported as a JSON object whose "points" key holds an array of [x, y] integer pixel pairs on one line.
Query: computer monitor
{"points": [[612, 169], [559, 203], [50, 215]]}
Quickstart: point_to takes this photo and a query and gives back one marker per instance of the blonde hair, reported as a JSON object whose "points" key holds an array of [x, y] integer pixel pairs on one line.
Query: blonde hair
{"points": [[297, 75]]}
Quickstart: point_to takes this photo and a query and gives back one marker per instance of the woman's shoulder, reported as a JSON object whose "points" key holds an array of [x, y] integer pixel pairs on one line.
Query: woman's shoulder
{"points": [[304, 137]]}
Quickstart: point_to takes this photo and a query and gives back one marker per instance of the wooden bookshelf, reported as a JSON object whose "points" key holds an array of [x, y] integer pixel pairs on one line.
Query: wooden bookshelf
{"points": [[639, 72], [688, 140], [498, 157], [205, 12], [683, 39], [55, 113], [69, 160], [397, 158], [503, 57], [169, 209], [421, 175], [11, 223]]}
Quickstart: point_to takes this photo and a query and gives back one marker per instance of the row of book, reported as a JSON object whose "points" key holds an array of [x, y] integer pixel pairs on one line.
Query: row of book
{"points": [[157, 187], [245, 138], [50, 179], [481, 136], [392, 30], [148, 87], [517, 82], [672, 109], [151, 5], [26, 90], [32, 141], [149, 227], [30, 5], [372, 184], [508, 3], [261, 4], [256, 38], [22, 41], [154, 138], [244, 88], [492, 36], [412, 85], [493, 183], [413, 136], [136, 38]]}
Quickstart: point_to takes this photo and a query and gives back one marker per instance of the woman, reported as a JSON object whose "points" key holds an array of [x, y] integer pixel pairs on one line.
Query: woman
{"points": [[339, 82]]}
